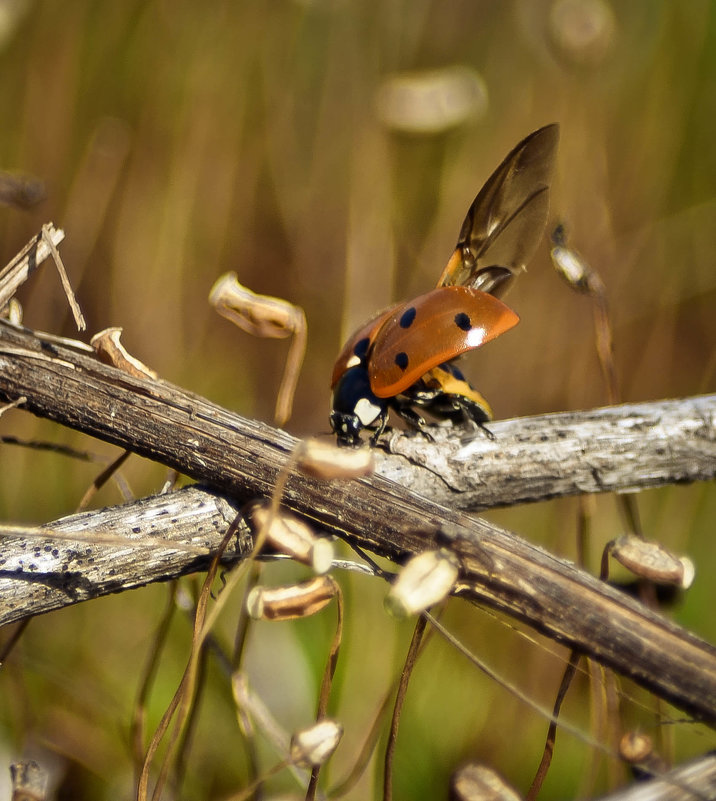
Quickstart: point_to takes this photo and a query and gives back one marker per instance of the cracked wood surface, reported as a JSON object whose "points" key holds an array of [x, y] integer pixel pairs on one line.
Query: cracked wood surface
{"points": [[612, 449]]}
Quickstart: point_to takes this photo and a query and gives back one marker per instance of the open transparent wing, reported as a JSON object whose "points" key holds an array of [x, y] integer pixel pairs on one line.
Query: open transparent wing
{"points": [[507, 218]]}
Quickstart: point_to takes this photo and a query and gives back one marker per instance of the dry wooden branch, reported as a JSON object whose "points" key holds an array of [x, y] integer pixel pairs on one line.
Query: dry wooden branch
{"points": [[29, 781], [695, 780], [92, 554], [244, 458], [612, 449]]}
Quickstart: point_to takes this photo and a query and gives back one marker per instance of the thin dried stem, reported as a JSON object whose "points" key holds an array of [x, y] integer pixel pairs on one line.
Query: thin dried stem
{"points": [[410, 661], [546, 760]]}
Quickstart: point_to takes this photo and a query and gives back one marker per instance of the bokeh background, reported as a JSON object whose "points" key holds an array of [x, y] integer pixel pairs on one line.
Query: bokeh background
{"points": [[327, 150]]}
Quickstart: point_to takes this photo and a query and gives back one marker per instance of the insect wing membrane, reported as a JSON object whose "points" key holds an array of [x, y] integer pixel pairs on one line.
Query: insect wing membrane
{"points": [[507, 218], [433, 329]]}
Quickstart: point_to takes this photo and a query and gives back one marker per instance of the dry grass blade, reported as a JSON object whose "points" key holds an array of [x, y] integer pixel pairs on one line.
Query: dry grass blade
{"points": [[102, 479], [364, 755], [139, 713], [183, 696], [39, 248], [13, 639], [327, 681], [511, 688], [12, 405], [47, 232], [251, 708]]}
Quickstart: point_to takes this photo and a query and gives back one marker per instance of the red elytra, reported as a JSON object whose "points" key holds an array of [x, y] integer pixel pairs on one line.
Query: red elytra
{"points": [[432, 329], [483, 308], [347, 358]]}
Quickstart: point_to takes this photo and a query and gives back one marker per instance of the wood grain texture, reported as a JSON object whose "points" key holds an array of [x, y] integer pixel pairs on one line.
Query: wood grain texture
{"points": [[243, 458], [612, 449], [690, 782], [45, 571]]}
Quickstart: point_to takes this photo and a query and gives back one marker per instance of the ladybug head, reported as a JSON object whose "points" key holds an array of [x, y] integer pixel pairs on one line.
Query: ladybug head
{"points": [[346, 427], [355, 407]]}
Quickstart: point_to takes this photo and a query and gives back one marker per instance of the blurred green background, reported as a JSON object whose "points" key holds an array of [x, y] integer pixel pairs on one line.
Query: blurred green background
{"points": [[327, 151]]}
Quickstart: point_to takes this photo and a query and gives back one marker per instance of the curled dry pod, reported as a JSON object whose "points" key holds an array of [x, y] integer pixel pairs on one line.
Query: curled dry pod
{"points": [[289, 535], [111, 351], [635, 747], [325, 460], [431, 101], [652, 561], [425, 580], [313, 745], [475, 782], [12, 312], [291, 601], [265, 316], [637, 750], [568, 263]]}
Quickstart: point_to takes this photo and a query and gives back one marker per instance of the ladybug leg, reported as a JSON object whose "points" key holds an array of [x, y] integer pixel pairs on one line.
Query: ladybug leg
{"points": [[382, 423], [476, 425], [474, 417], [413, 419]]}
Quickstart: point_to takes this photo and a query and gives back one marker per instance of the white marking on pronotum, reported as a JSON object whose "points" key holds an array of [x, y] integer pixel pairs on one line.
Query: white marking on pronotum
{"points": [[366, 411]]}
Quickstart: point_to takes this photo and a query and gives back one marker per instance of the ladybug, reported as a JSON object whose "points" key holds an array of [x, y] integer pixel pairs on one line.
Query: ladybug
{"points": [[404, 357]]}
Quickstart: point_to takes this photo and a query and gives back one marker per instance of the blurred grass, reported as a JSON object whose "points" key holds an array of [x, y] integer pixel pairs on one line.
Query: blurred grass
{"points": [[179, 141]]}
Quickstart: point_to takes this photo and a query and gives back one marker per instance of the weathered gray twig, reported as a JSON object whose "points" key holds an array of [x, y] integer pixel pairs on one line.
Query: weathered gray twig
{"points": [[695, 780], [611, 449], [47, 571]]}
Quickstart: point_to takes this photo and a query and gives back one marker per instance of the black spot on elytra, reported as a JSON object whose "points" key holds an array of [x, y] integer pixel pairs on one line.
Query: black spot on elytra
{"points": [[361, 347], [401, 359], [407, 318], [462, 321]]}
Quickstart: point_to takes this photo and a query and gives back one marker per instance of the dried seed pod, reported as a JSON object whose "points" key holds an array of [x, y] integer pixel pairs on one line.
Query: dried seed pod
{"points": [[638, 751], [571, 266], [582, 33], [292, 601], [431, 101], [425, 580], [652, 561], [325, 460], [292, 536], [265, 316], [12, 311], [475, 782], [313, 745], [635, 747], [111, 351]]}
